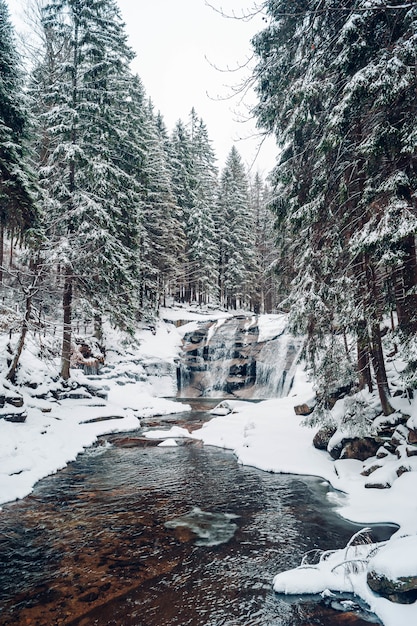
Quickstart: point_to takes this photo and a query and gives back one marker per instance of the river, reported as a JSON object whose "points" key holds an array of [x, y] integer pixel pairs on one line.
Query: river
{"points": [[131, 534]]}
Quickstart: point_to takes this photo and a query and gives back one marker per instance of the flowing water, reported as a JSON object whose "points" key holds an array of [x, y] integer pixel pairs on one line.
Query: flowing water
{"points": [[131, 534], [230, 358]]}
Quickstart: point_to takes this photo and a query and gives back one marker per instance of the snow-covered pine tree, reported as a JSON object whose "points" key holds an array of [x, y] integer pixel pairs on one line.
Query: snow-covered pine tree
{"points": [[184, 185], [201, 232], [237, 258], [337, 87], [377, 116], [194, 177], [81, 90], [265, 249], [19, 197], [162, 239]]}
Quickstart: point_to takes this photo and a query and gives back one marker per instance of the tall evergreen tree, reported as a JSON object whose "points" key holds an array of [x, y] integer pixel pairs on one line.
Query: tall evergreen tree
{"points": [[19, 206], [163, 238], [335, 86], [237, 262], [201, 230], [184, 186], [265, 296], [194, 178], [82, 94]]}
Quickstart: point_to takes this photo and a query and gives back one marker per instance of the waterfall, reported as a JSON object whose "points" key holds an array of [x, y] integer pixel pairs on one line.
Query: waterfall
{"points": [[230, 357], [275, 367]]}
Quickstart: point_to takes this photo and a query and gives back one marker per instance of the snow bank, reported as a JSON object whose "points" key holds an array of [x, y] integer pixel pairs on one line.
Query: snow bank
{"points": [[271, 326], [56, 431], [46, 442]]}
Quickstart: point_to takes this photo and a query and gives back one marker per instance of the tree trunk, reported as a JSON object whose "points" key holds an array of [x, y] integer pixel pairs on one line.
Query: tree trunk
{"points": [[11, 374], [1, 251], [98, 327], [364, 367], [11, 251], [67, 329], [373, 302], [406, 282], [380, 371]]}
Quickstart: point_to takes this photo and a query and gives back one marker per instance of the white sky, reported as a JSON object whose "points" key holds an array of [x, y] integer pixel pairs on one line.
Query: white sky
{"points": [[179, 44]]}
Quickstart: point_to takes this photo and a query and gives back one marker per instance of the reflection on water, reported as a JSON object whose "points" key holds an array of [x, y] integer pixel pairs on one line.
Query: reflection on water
{"points": [[102, 541]]}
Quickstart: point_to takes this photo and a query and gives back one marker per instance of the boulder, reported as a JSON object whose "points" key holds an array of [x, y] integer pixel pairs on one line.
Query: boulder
{"points": [[323, 436], [360, 448], [400, 435], [392, 572], [13, 416], [412, 436], [411, 450], [377, 485], [304, 409], [369, 470], [402, 590], [382, 453], [14, 400]]}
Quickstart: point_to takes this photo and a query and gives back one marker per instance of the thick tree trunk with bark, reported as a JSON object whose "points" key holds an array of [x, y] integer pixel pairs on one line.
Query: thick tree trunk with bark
{"points": [[67, 330], [405, 285], [1, 251], [380, 371], [364, 366], [11, 374], [378, 362]]}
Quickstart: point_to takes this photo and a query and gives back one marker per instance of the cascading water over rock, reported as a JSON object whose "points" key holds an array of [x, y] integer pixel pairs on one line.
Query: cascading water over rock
{"points": [[238, 357]]}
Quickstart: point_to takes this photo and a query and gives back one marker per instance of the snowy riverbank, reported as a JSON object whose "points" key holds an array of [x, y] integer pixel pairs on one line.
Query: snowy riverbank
{"points": [[271, 437], [267, 435], [138, 374]]}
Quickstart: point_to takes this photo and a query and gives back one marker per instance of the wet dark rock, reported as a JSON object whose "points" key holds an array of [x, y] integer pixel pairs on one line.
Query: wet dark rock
{"points": [[323, 436], [412, 436], [304, 409], [234, 383], [133, 442], [369, 470], [197, 336], [360, 448], [411, 450], [14, 400], [402, 590], [16, 417], [102, 419]]}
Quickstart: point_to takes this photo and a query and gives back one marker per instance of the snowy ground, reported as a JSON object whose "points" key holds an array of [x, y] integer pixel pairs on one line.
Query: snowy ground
{"points": [[267, 435]]}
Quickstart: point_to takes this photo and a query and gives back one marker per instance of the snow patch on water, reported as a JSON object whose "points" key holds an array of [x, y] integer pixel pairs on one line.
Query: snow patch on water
{"points": [[211, 529]]}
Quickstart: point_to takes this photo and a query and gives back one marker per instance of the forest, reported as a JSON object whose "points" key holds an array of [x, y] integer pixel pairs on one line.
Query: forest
{"points": [[337, 87], [105, 214], [107, 218]]}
